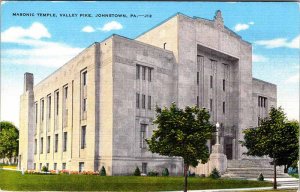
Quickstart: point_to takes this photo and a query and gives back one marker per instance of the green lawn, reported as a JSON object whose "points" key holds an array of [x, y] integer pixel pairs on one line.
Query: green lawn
{"points": [[11, 180]]}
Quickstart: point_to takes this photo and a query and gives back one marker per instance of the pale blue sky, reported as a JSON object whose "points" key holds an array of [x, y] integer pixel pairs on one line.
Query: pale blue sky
{"points": [[42, 44]]}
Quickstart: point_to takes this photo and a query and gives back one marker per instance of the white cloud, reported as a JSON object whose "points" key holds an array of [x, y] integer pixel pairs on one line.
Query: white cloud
{"points": [[259, 58], [241, 27], [113, 25], [88, 29], [37, 52], [293, 79], [17, 34], [280, 42]]}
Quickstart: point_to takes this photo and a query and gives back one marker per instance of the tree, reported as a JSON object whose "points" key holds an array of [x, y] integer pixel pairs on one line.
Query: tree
{"points": [[274, 137], [289, 135], [9, 143], [182, 133]]}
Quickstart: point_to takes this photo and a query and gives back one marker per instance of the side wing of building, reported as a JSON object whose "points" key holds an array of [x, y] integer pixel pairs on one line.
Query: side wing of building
{"points": [[144, 76], [264, 97], [63, 113]]}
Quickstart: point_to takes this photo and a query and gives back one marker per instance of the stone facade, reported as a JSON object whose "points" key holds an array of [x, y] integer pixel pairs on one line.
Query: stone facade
{"points": [[97, 109]]}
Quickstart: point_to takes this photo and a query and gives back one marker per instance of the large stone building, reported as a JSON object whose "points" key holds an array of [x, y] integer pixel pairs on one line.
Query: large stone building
{"points": [[97, 109]]}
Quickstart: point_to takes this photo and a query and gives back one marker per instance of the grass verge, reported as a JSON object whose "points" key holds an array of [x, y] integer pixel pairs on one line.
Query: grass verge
{"points": [[12, 180]]}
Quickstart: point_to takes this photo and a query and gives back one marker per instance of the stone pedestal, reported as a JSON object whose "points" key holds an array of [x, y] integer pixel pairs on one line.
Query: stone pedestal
{"points": [[218, 159]]}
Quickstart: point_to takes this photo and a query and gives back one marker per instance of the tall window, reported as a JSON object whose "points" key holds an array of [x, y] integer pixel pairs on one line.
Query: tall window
{"points": [[54, 166], [63, 166], [149, 102], [143, 72], [143, 136], [65, 141], [224, 84], [66, 92], [197, 101], [57, 102], [84, 78], [42, 109], [262, 101], [48, 144], [84, 105], [41, 146], [211, 81], [197, 78], [138, 71], [49, 106], [143, 101], [65, 107], [224, 108], [83, 133], [35, 146], [56, 143], [137, 100], [149, 74], [210, 104]]}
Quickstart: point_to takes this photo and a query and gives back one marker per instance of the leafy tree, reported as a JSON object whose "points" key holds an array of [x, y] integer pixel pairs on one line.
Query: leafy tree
{"points": [[275, 138], [182, 133], [290, 135], [9, 143]]}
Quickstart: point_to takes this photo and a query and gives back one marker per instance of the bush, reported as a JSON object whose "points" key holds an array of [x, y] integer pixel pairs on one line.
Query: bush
{"points": [[215, 174], [260, 177], [152, 173], [165, 172], [202, 175], [192, 174], [137, 172], [45, 169], [102, 171]]}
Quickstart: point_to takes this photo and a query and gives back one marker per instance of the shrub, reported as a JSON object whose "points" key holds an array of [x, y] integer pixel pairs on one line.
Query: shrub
{"points": [[137, 172], [102, 171], [260, 177], [152, 173], [192, 174], [202, 175], [165, 172], [215, 174], [45, 169]]}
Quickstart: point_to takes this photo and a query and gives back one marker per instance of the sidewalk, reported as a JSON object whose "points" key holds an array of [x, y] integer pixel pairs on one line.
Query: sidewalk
{"points": [[285, 183]]}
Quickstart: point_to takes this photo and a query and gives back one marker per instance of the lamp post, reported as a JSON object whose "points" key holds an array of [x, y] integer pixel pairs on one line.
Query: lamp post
{"points": [[217, 126]]}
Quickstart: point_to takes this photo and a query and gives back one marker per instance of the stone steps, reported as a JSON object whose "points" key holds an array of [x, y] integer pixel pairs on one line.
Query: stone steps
{"points": [[251, 168]]}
